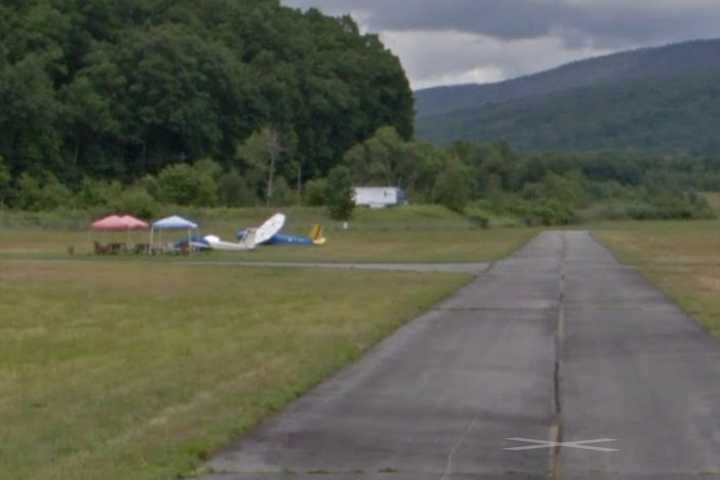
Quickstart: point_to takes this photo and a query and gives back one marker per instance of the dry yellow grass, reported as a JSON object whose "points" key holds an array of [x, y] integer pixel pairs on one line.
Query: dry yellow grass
{"points": [[119, 371]]}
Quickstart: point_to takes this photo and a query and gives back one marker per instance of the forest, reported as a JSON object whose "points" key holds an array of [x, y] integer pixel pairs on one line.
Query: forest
{"points": [[117, 90], [650, 115]]}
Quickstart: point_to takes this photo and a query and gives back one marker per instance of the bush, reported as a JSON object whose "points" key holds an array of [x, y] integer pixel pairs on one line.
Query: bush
{"points": [[340, 194], [36, 195], [208, 166], [453, 187], [96, 193], [546, 213], [282, 194], [150, 184], [137, 201], [234, 191], [316, 192], [185, 185], [553, 212]]}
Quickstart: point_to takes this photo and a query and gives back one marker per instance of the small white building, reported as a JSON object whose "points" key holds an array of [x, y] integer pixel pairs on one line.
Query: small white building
{"points": [[379, 197]]}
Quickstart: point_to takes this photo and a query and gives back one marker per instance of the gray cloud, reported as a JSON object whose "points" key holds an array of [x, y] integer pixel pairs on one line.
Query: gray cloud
{"points": [[517, 36]]}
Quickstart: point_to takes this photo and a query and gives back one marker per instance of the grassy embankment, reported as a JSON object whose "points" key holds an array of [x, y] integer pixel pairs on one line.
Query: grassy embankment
{"points": [[127, 370], [411, 234], [682, 258]]}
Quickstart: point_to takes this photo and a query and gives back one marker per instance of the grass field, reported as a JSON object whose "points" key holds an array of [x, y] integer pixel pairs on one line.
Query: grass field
{"points": [[139, 371], [682, 258], [410, 234]]}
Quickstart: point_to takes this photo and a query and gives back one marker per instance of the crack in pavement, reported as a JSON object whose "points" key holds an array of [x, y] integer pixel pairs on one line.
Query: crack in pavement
{"points": [[451, 456], [557, 427]]}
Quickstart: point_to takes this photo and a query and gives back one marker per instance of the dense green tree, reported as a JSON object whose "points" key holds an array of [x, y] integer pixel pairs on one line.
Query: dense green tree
{"points": [[386, 159], [453, 186], [262, 154], [340, 194]]}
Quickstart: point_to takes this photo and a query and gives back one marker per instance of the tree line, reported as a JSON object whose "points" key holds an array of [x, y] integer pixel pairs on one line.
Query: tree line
{"points": [[483, 180]]}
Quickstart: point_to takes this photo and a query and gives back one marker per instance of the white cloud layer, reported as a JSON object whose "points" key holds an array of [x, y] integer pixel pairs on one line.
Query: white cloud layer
{"points": [[456, 41]]}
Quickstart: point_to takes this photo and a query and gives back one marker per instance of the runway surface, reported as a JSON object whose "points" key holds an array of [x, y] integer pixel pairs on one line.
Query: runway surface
{"points": [[557, 362]]}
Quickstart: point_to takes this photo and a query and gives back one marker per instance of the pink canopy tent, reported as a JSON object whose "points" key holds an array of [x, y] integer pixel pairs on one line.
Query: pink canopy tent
{"points": [[110, 223], [135, 223], [116, 223]]}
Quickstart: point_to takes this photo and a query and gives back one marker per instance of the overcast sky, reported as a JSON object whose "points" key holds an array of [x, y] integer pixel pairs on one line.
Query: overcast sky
{"points": [[462, 41]]}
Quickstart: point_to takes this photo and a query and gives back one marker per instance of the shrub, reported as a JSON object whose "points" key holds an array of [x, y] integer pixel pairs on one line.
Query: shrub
{"points": [[150, 184], [208, 166], [36, 195], [96, 193], [234, 191], [340, 194], [183, 184], [453, 187], [282, 194], [547, 213], [137, 201], [316, 192]]}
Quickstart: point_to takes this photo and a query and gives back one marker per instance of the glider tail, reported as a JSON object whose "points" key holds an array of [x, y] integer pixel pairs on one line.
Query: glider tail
{"points": [[316, 235]]}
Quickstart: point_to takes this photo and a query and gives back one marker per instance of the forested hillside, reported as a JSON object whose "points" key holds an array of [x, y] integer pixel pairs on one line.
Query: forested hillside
{"points": [[118, 89], [662, 100], [664, 116]]}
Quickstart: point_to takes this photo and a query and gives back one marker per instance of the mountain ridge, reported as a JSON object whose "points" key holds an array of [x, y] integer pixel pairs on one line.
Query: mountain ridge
{"points": [[500, 110]]}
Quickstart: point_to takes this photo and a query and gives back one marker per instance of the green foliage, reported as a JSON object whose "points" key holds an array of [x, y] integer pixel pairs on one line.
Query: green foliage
{"points": [[261, 156], [137, 201], [124, 89], [208, 166], [46, 193], [386, 159], [282, 194], [97, 193], [453, 187], [183, 184], [234, 191], [5, 179], [316, 192], [340, 194]]}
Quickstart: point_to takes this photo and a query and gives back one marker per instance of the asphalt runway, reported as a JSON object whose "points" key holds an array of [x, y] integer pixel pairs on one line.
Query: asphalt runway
{"points": [[557, 362]]}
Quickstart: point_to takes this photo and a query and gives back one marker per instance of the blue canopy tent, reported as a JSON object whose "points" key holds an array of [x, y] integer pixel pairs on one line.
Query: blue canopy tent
{"points": [[172, 223]]}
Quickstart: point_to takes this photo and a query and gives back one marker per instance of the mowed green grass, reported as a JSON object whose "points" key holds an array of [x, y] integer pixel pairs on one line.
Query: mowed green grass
{"points": [[682, 258], [121, 371], [406, 246]]}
